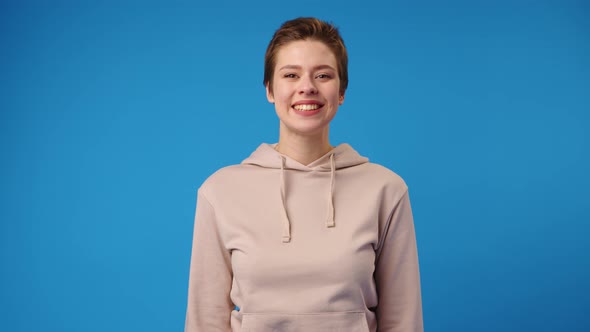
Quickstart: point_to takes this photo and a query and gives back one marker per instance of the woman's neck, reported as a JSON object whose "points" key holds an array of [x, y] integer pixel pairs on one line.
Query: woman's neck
{"points": [[304, 149]]}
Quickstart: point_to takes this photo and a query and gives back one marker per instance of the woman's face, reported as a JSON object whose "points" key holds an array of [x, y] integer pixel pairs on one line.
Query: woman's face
{"points": [[305, 88]]}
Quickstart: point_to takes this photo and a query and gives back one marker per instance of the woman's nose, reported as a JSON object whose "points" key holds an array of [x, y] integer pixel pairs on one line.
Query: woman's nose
{"points": [[307, 86]]}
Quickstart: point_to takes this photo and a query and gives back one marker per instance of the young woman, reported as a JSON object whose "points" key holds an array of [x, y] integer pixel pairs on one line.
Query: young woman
{"points": [[304, 236]]}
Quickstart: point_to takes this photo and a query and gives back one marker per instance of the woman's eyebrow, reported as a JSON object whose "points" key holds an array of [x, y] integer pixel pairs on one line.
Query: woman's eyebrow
{"points": [[290, 67], [324, 67]]}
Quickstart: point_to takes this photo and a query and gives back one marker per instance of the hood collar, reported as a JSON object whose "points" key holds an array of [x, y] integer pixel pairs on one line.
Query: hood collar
{"points": [[266, 156]]}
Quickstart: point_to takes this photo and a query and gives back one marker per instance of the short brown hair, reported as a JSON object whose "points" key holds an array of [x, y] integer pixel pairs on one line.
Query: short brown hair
{"points": [[303, 28]]}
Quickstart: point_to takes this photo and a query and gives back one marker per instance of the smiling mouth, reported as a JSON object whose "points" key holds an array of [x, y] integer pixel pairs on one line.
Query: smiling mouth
{"points": [[307, 107]]}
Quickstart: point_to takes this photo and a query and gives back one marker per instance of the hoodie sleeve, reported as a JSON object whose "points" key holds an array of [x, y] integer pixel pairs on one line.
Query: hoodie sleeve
{"points": [[397, 274], [209, 304]]}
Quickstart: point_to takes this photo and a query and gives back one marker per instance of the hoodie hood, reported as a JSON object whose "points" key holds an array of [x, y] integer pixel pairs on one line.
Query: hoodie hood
{"points": [[344, 156], [340, 157]]}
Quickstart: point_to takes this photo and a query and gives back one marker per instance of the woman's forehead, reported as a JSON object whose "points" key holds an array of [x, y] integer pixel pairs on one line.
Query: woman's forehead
{"points": [[305, 53]]}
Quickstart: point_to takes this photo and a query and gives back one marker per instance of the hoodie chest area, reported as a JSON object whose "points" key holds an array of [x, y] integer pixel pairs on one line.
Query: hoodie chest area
{"points": [[252, 230], [254, 211], [328, 260]]}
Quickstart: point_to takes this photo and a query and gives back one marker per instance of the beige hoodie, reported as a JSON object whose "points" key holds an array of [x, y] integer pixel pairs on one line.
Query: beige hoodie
{"points": [[281, 246]]}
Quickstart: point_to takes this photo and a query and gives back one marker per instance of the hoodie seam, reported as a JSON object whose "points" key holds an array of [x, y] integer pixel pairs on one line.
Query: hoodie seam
{"points": [[388, 224], [201, 193]]}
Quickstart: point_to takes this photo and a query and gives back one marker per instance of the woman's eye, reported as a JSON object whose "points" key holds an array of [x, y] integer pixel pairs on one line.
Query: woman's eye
{"points": [[324, 76], [290, 76]]}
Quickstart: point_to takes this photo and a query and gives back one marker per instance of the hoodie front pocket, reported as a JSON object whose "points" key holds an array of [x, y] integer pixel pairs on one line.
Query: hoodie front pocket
{"points": [[314, 322]]}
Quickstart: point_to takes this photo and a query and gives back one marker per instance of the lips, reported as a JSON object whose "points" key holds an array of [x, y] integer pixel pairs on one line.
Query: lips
{"points": [[307, 106]]}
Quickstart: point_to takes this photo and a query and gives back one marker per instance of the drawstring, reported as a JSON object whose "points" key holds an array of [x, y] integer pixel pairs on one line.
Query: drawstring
{"points": [[286, 222], [329, 221]]}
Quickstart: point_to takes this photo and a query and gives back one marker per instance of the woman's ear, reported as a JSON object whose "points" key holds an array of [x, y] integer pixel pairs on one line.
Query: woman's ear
{"points": [[269, 96], [341, 100]]}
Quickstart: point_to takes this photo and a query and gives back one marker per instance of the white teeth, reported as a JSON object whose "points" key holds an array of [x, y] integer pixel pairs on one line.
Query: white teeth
{"points": [[306, 107]]}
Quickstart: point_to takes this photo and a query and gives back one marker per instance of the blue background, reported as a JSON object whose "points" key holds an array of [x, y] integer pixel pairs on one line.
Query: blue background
{"points": [[112, 115]]}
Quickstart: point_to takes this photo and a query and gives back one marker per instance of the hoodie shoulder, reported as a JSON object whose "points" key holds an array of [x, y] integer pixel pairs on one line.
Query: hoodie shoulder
{"points": [[387, 176], [265, 155], [225, 176], [222, 177]]}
